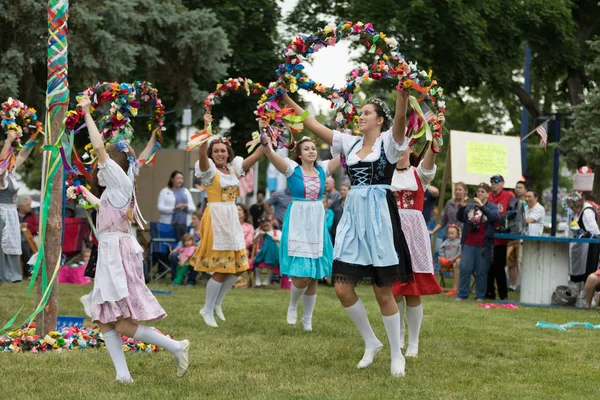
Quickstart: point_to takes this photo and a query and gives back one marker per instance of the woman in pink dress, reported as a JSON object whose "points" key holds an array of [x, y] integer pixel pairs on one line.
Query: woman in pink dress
{"points": [[120, 297]]}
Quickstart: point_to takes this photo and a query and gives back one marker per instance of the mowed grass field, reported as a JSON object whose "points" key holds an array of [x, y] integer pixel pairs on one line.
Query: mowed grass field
{"points": [[466, 352]]}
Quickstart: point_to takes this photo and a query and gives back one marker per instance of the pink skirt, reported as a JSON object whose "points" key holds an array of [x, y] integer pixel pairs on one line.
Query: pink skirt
{"points": [[140, 305]]}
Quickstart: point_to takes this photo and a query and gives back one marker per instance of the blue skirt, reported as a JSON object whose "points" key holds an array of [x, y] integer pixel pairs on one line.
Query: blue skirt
{"points": [[304, 267]]}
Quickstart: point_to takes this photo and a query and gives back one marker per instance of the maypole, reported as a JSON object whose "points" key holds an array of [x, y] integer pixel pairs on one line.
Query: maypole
{"points": [[57, 102]]}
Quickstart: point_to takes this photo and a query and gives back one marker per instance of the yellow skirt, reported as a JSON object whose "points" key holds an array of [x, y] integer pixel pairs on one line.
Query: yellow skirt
{"points": [[206, 259]]}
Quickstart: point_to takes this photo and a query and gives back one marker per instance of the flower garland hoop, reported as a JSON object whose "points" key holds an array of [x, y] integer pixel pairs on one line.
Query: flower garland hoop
{"points": [[229, 85], [18, 117], [388, 65]]}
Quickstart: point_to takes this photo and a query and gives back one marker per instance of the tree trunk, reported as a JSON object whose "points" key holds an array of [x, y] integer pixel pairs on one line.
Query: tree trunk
{"points": [[526, 100], [575, 85]]}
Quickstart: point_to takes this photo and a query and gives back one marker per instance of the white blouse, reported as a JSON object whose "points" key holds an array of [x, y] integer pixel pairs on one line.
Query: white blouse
{"points": [[407, 181], [227, 180], [118, 185], [343, 142], [293, 164]]}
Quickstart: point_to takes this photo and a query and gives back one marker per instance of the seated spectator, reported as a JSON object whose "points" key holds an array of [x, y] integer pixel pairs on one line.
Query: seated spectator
{"points": [[592, 285], [259, 208], [184, 253], [449, 255], [174, 256], [479, 221], [74, 273], [279, 202]]}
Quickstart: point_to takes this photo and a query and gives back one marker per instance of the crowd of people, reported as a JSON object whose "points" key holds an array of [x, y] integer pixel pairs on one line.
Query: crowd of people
{"points": [[376, 230]]}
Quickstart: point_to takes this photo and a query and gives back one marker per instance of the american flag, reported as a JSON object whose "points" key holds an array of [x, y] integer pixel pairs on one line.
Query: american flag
{"points": [[427, 113], [542, 132]]}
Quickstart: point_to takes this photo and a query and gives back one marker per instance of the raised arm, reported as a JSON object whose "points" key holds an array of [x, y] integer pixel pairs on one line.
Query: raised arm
{"points": [[311, 123], [203, 149], [25, 152], [10, 138], [253, 158], [95, 137], [399, 127], [334, 164], [277, 161], [148, 149], [429, 159]]}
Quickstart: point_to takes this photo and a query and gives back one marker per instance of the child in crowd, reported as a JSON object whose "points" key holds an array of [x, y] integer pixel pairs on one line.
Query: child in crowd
{"points": [[449, 255], [266, 240], [74, 273], [185, 251], [329, 215]]}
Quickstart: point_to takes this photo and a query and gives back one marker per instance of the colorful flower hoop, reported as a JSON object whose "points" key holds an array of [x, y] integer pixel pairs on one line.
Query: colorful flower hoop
{"points": [[20, 118], [229, 85], [388, 65]]}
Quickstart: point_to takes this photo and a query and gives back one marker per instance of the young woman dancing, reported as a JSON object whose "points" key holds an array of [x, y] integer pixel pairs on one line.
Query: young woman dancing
{"points": [[370, 245], [120, 298], [222, 248], [306, 252]]}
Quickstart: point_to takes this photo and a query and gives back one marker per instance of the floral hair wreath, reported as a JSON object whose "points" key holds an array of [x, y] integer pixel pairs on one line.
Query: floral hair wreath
{"points": [[388, 65], [219, 139], [229, 85], [386, 110]]}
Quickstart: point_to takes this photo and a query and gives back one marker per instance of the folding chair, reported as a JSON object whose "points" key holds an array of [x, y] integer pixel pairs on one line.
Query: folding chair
{"points": [[162, 241]]}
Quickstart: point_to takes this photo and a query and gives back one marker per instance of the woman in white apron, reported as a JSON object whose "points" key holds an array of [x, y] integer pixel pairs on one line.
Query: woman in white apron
{"points": [[222, 248], [583, 257], [10, 231], [306, 252]]}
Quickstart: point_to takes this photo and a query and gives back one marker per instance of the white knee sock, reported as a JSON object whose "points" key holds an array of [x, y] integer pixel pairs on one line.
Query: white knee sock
{"points": [[225, 288], [401, 311], [149, 335], [112, 341], [269, 278], [308, 306], [414, 317], [257, 281], [212, 292], [392, 328], [358, 315], [295, 294]]}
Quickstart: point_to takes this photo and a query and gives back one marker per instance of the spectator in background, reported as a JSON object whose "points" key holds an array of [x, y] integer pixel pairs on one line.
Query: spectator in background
{"points": [[279, 202], [175, 205], [502, 198], [431, 195], [257, 210], [534, 212], [328, 214], [30, 222], [449, 256], [203, 196], [479, 220], [461, 193], [513, 247], [338, 208], [331, 194]]}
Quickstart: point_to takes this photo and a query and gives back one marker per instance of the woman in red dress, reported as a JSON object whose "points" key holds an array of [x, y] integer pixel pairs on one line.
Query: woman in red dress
{"points": [[408, 185]]}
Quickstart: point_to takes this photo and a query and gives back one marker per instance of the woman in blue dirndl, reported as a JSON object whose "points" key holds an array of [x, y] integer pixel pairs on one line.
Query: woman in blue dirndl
{"points": [[370, 246], [305, 252]]}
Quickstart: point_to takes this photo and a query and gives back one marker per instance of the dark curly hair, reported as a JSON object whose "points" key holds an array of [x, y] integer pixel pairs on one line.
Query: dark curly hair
{"points": [[298, 150], [230, 153]]}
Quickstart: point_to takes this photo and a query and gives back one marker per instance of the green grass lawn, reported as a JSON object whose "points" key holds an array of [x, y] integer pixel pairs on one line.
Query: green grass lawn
{"points": [[465, 352]]}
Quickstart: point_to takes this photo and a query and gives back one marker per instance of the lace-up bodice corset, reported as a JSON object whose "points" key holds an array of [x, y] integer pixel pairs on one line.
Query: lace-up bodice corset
{"points": [[364, 173]]}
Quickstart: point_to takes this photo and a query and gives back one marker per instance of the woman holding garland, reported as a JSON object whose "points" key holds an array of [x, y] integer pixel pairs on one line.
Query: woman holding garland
{"points": [[222, 248], [409, 185], [370, 226], [305, 253], [10, 228], [120, 297]]}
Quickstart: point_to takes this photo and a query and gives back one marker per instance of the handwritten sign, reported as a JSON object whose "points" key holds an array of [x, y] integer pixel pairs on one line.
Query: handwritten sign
{"points": [[487, 158]]}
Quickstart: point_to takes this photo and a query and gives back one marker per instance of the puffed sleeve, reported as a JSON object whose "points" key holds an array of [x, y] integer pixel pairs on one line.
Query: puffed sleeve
{"points": [[342, 143], [206, 177], [291, 166], [426, 175], [325, 165], [236, 164], [393, 150], [119, 186]]}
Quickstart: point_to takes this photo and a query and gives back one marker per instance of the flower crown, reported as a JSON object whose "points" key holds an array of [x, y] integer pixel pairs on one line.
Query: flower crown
{"points": [[305, 139], [384, 107], [220, 139]]}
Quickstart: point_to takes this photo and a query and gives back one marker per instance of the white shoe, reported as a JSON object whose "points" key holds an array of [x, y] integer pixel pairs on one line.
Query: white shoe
{"points": [[412, 351], [86, 300], [219, 312], [307, 324], [370, 353], [398, 368], [123, 381], [292, 316], [182, 359], [209, 319], [257, 283]]}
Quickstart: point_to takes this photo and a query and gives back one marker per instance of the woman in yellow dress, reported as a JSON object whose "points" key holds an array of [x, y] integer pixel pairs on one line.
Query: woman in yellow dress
{"points": [[222, 248]]}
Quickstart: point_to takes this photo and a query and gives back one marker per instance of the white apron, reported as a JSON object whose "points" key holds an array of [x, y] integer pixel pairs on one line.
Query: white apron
{"points": [[226, 228], [111, 282], [305, 236], [11, 234]]}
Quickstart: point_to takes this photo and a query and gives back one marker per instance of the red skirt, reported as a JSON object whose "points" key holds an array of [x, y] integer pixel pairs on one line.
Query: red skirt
{"points": [[424, 284]]}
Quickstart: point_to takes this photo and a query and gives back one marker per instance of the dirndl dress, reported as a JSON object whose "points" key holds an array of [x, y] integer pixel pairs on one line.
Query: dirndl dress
{"points": [[370, 246], [222, 246], [268, 255], [120, 291], [584, 257], [305, 250], [10, 230], [409, 191]]}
